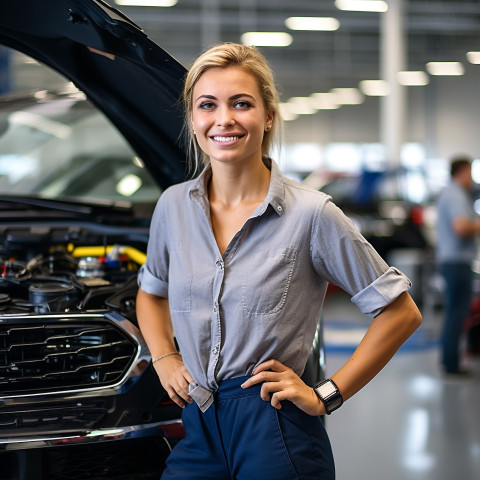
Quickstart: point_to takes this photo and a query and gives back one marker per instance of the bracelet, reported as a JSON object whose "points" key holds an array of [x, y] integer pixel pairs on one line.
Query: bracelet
{"points": [[156, 359]]}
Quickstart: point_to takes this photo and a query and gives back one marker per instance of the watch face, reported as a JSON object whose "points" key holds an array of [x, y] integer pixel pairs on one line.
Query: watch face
{"points": [[326, 389]]}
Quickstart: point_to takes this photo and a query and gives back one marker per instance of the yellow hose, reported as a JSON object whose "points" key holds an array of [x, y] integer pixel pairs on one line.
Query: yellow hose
{"points": [[96, 251]]}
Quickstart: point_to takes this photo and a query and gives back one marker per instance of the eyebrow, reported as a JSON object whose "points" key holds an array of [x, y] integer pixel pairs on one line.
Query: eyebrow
{"points": [[233, 97]]}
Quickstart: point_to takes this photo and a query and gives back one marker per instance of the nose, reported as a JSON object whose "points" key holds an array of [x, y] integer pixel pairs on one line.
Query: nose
{"points": [[225, 118]]}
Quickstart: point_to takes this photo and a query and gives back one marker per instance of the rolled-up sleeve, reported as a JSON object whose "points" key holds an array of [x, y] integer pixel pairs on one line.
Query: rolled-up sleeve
{"points": [[151, 284], [381, 292], [342, 256]]}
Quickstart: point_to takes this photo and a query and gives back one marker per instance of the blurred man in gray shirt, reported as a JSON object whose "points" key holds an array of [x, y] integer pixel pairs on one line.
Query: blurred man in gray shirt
{"points": [[457, 227]]}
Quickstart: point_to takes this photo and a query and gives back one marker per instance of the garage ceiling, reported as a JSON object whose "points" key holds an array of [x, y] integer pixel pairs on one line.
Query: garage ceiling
{"points": [[435, 30], [440, 117]]}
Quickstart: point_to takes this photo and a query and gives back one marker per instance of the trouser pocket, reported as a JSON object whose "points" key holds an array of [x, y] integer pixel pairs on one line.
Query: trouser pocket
{"points": [[306, 442]]}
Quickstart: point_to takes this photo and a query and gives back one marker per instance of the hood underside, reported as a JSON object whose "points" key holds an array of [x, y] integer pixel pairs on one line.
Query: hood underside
{"points": [[132, 80]]}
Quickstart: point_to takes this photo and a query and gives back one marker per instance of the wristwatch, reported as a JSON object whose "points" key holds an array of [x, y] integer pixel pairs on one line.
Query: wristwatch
{"points": [[329, 394]]}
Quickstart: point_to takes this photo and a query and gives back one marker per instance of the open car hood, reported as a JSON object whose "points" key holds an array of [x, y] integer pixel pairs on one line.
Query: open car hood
{"points": [[132, 80]]}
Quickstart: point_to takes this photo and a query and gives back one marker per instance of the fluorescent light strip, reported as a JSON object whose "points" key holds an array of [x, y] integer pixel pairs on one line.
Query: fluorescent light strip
{"points": [[324, 101], [319, 24], [347, 96], [147, 3], [473, 57], [267, 39], [301, 106], [286, 113], [375, 88], [362, 5], [412, 78], [445, 68]]}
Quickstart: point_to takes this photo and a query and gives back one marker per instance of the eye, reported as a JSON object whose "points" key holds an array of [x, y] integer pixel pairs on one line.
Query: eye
{"points": [[242, 104], [206, 105]]}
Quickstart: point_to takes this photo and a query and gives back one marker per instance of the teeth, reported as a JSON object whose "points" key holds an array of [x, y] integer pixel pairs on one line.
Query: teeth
{"points": [[225, 139]]}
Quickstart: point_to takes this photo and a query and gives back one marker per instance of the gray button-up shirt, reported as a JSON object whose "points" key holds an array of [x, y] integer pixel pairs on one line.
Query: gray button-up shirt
{"points": [[262, 298], [454, 202]]}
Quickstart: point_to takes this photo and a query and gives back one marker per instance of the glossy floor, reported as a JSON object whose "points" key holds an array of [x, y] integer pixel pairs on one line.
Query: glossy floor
{"points": [[410, 422]]}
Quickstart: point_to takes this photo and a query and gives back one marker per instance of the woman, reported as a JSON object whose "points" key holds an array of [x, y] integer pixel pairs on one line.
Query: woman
{"points": [[237, 266]]}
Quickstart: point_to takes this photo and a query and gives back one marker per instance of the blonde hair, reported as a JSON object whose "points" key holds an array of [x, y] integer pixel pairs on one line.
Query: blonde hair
{"points": [[252, 61]]}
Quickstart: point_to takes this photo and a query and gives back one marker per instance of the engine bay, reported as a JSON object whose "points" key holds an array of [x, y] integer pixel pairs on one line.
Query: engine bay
{"points": [[69, 278]]}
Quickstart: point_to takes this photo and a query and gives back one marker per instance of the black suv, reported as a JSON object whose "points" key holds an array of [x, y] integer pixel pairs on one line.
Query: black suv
{"points": [[75, 201]]}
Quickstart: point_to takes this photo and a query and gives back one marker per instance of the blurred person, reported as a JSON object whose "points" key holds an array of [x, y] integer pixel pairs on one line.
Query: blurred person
{"points": [[238, 264], [456, 249]]}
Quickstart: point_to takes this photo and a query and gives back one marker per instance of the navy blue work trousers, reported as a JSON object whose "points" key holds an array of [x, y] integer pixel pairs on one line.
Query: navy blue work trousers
{"points": [[458, 294], [242, 437]]}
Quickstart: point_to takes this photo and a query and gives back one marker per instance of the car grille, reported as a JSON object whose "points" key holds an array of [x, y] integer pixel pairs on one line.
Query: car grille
{"points": [[139, 459], [81, 415], [51, 354], [130, 459]]}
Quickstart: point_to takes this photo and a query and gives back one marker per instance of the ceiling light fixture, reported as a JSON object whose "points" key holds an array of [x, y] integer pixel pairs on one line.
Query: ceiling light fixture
{"points": [[319, 24], [362, 5], [286, 113], [147, 3], [445, 68], [347, 96], [324, 101], [267, 39], [473, 57], [412, 78], [301, 106], [374, 88]]}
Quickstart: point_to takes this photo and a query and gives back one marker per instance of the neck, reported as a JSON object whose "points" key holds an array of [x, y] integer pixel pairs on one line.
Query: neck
{"points": [[233, 184]]}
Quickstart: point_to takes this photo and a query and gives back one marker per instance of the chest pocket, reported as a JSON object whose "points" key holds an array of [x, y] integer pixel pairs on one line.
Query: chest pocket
{"points": [[265, 287]]}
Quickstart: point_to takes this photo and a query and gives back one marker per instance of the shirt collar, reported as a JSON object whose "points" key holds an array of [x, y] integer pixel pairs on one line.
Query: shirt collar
{"points": [[276, 191]]}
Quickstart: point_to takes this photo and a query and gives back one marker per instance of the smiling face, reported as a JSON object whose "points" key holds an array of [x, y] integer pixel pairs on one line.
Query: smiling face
{"points": [[229, 116]]}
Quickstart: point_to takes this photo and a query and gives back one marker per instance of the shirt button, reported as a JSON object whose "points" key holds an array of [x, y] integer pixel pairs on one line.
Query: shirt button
{"points": [[215, 350], [219, 264], [215, 308], [279, 208]]}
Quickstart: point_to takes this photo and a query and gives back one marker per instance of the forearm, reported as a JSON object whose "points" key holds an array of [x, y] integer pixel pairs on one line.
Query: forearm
{"points": [[153, 315], [387, 332], [466, 227], [154, 320]]}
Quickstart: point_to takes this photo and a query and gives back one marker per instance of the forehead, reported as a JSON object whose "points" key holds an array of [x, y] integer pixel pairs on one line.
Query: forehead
{"points": [[226, 82]]}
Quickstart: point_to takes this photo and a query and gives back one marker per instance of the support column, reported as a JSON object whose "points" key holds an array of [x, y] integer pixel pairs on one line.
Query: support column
{"points": [[392, 61]]}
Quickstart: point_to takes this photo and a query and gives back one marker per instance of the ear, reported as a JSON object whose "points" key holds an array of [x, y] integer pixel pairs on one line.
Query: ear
{"points": [[269, 121]]}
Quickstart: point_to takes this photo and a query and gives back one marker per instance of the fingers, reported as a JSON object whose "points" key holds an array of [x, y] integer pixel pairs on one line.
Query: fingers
{"points": [[269, 371], [176, 380], [275, 392], [280, 383], [273, 365], [179, 393], [276, 386], [277, 397], [188, 377]]}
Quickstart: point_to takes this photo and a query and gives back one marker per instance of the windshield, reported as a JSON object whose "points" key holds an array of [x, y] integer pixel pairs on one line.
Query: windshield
{"points": [[61, 146]]}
